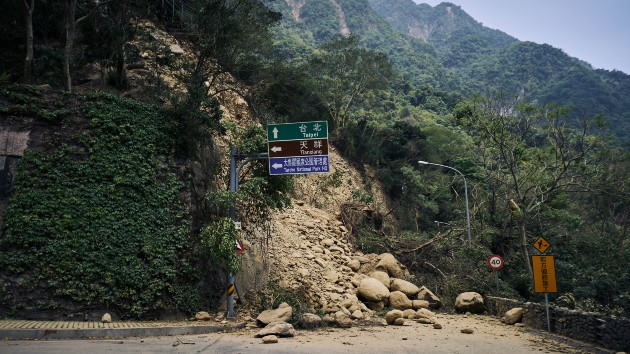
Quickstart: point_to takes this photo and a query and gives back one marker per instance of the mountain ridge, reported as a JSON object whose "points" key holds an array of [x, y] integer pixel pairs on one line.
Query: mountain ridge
{"points": [[446, 48]]}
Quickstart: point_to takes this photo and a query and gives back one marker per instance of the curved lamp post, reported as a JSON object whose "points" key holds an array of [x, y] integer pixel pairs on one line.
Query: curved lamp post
{"points": [[465, 192]]}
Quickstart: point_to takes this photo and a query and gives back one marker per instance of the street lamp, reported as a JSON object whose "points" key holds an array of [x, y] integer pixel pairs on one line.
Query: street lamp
{"points": [[465, 192]]}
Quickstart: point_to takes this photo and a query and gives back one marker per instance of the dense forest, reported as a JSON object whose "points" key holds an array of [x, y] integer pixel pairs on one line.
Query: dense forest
{"points": [[540, 138]]}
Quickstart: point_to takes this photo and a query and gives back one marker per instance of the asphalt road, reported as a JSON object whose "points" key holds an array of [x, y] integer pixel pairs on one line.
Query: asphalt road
{"points": [[489, 337]]}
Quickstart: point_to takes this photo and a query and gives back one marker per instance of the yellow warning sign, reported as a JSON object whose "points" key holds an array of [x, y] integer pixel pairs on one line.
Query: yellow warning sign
{"points": [[544, 274], [541, 245]]}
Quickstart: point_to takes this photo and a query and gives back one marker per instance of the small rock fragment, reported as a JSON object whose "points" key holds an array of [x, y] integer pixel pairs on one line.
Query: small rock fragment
{"points": [[270, 339], [107, 318]]}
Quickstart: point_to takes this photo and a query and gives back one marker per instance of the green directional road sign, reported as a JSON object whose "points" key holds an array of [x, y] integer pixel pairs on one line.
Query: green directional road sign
{"points": [[297, 131], [298, 148]]}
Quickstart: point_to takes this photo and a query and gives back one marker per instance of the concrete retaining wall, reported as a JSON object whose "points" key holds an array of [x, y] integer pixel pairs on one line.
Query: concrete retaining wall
{"points": [[609, 332]]}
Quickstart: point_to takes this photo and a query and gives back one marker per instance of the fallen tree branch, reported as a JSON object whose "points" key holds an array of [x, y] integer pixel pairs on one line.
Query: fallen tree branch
{"points": [[436, 269], [436, 238]]}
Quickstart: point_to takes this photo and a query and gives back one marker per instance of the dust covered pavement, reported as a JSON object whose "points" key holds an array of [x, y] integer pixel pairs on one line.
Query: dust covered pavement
{"points": [[489, 336]]}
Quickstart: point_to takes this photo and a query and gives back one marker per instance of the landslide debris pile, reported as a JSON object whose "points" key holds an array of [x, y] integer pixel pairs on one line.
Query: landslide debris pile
{"points": [[310, 255]]}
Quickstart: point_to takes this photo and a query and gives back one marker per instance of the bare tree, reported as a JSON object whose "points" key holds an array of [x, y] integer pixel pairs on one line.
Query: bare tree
{"points": [[70, 30]]}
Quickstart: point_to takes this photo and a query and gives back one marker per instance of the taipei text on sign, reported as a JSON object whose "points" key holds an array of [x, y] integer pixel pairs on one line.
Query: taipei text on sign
{"points": [[297, 131]]}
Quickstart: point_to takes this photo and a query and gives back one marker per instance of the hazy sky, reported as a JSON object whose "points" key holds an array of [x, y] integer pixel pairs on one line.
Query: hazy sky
{"points": [[596, 31]]}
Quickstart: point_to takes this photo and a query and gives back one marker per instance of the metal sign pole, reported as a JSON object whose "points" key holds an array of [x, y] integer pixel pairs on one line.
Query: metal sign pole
{"points": [[234, 173], [233, 182], [496, 278], [547, 311]]}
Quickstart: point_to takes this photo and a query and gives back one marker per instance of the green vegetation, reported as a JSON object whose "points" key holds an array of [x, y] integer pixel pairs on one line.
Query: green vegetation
{"points": [[548, 158], [272, 295], [218, 240], [97, 220]]}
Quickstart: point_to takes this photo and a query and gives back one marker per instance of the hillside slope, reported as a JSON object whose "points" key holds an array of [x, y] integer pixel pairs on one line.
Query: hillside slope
{"points": [[107, 203]]}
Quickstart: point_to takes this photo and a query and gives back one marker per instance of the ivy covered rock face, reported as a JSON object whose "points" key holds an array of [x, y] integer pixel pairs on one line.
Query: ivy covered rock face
{"points": [[96, 219]]}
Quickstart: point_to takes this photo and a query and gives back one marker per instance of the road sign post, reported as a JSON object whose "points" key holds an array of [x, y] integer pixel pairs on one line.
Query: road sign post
{"points": [[545, 279], [298, 148], [496, 262], [235, 170]]}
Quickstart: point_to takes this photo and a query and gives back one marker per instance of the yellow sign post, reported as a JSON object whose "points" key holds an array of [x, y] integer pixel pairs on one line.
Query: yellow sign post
{"points": [[544, 274], [544, 268]]}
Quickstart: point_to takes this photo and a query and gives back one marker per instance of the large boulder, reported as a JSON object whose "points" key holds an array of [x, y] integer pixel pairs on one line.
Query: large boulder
{"points": [[281, 314], [399, 301], [420, 304], [388, 263], [469, 302], [381, 276], [392, 315], [409, 313], [310, 320], [373, 290], [375, 305], [356, 280], [426, 294], [513, 316], [270, 339], [354, 264], [344, 322], [202, 316], [357, 315], [404, 286], [281, 329], [331, 276], [424, 313]]}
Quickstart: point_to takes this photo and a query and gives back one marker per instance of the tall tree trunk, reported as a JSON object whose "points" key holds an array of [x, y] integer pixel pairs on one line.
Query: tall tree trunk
{"points": [[29, 61], [70, 31], [121, 73], [524, 249]]}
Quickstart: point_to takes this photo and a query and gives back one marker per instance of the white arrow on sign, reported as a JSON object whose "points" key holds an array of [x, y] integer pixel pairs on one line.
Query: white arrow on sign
{"points": [[275, 133], [277, 165], [276, 148]]}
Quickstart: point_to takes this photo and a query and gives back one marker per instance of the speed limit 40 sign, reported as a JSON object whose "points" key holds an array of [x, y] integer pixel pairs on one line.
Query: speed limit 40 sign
{"points": [[495, 262]]}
